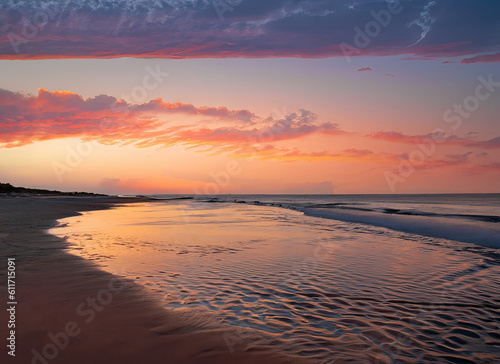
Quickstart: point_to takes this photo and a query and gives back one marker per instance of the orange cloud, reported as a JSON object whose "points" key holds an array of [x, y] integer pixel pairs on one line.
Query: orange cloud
{"points": [[52, 115], [267, 152], [25, 119], [59, 114], [438, 138]]}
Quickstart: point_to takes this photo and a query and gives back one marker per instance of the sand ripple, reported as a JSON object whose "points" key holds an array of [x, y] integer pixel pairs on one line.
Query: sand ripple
{"points": [[338, 292]]}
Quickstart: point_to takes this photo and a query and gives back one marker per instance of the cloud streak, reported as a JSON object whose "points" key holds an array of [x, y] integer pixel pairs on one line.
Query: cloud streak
{"points": [[485, 58], [450, 160], [254, 28], [439, 138], [424, 21], [25, 119], [50, 115], [269, 152]]}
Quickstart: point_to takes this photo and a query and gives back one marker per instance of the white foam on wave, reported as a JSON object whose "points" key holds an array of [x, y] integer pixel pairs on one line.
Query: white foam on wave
{"points": [[476, 233]]}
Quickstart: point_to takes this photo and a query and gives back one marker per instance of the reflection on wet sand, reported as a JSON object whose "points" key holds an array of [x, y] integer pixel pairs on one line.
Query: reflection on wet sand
{"points": [[319, 288]]}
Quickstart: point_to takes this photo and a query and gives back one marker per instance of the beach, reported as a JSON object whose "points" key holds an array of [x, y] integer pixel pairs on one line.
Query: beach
{"points": [[55, 322], [237, 181], [325, 289]]}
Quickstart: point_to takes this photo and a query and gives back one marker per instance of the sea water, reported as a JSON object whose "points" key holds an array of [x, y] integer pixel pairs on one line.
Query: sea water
{"points": [[362, 279]]}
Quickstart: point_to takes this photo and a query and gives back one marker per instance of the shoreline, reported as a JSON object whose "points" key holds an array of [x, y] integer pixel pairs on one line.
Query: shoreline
{"points": [[70, 311]]}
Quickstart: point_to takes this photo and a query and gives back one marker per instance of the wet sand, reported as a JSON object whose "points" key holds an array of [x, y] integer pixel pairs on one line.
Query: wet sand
{"points": [[122, 325], [324, 289]]}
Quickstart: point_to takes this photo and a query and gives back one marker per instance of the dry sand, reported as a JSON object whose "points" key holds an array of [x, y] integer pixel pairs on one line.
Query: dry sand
{"points": [[52, 288]]}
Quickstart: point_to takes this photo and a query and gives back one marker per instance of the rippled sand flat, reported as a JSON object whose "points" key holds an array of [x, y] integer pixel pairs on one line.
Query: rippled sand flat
{"points": [[335, 291]]}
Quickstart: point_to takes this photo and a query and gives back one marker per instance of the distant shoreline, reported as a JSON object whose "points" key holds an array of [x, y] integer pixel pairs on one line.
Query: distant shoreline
{"points": [[7, 188]]}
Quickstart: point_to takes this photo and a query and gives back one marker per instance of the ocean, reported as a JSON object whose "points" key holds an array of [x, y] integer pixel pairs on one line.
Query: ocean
{"points": [[337, 278]]}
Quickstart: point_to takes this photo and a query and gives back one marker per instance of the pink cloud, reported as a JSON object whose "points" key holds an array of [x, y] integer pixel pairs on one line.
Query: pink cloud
{"points": [[482, 58], [439, 138], [495, 167], [293, 155], [51, 115], [60, 114], [451, 160]]}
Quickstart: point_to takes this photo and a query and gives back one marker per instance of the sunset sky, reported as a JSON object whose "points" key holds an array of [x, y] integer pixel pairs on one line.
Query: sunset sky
{"points": [[252, 96]]}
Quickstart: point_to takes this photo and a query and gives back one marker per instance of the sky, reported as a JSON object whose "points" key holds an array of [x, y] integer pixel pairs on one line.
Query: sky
{"points": [[250, 96]]}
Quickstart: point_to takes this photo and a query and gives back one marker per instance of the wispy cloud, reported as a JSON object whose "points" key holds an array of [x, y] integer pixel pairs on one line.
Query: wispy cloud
{"points": [[491, 167], [254, 28], [25, 119], [267, 152], [483, 58], [451, 160], [50, 115], [439, 138], [424, 21]]}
